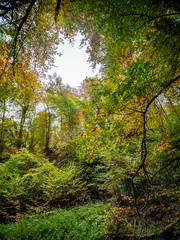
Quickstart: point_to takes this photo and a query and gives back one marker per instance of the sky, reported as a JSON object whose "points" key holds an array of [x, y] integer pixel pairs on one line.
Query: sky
{"points": [[72, 65]]}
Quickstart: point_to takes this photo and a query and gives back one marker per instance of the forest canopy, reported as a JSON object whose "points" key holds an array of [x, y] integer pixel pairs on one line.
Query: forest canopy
{"points": [[117, 135]]}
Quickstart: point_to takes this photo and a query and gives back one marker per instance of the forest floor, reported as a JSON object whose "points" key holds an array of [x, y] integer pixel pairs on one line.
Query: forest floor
{"points": [[98, 220]]}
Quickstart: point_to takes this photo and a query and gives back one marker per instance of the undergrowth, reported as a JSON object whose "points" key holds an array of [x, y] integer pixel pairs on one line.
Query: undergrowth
{"points": [[85, 222]]}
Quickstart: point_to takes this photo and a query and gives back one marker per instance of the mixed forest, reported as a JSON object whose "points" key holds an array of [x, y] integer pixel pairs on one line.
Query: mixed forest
{"points": [[100, 161]]}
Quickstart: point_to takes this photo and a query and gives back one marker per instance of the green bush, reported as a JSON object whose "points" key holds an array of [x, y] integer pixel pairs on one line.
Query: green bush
{"points": [[29, 180]]}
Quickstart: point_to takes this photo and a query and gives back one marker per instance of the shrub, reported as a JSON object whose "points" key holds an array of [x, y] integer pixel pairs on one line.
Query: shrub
{"points": [[27, 179], [30, 182]]}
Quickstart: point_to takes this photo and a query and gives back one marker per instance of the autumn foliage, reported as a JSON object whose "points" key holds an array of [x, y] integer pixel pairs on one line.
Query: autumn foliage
{"points": [[115, 138]]}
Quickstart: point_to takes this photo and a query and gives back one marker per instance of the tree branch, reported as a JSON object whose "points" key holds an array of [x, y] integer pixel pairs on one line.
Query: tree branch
{"points": [[57, 9], [159, 93], [148, 16], [143, 143], [19, 29]]}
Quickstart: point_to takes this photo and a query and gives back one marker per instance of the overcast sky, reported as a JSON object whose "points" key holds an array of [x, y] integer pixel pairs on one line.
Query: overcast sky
{"points": [[72, 66]]}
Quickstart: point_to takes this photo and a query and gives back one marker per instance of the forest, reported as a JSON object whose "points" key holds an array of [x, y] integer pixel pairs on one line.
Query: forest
{"points": [[100, 161]]}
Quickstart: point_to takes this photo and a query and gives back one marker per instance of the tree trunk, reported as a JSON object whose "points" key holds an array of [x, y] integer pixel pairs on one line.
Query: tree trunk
{"points": [[2, 143], [23, 118], [48, 128]]}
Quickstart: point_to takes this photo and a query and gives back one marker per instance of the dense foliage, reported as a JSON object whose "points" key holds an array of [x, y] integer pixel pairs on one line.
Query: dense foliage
{"points": [[115, 139]]}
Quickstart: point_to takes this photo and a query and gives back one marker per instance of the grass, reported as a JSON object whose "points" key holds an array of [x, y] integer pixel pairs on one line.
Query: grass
{"points": [[96, 221], [85, 222]]}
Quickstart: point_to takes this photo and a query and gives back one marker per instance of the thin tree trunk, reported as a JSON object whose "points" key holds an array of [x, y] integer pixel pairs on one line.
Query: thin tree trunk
{"points": [[23, 118], [2, 128], [48, 128], [31, 144]]}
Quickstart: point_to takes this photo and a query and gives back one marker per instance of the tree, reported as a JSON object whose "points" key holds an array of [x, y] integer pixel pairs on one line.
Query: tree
{"points": [[64, 100], [19, 21], [134, 36], [20, 95]]}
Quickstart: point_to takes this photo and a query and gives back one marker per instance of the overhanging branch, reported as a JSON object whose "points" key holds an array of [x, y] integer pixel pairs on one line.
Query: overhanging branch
{"points": [[143, 143], [19, 29], [161, 91]]}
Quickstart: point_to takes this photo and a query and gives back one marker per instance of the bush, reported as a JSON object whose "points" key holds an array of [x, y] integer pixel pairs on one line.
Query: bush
{"points": [[29, 180]]}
